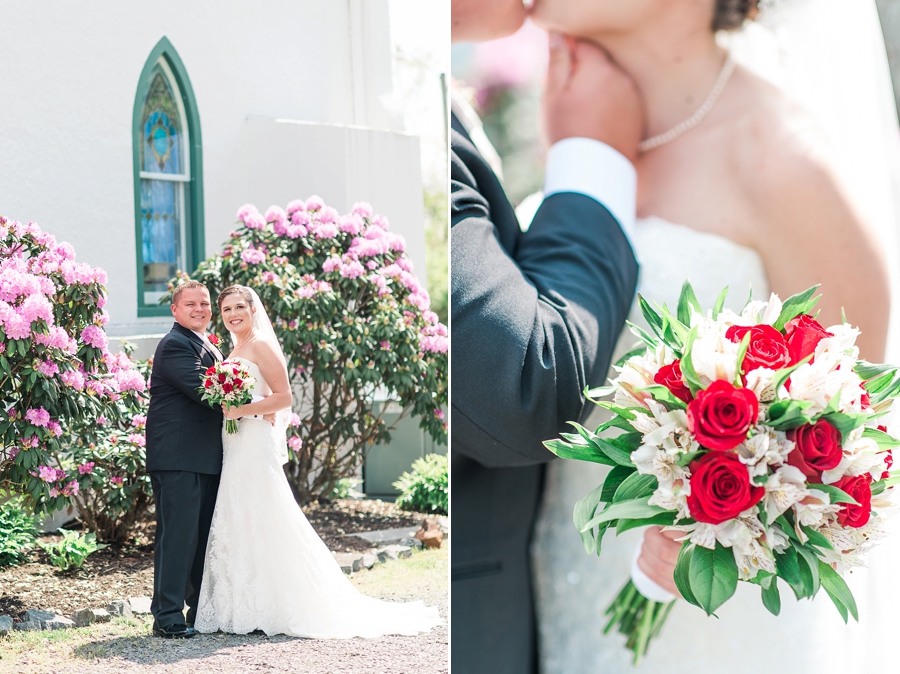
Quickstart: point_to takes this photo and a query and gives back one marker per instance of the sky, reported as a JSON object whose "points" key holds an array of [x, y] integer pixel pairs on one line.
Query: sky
{"points": [[420, 33]]}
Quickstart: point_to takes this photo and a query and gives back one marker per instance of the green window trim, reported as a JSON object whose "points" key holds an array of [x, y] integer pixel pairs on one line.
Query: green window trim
{"points": [[195, 241]]}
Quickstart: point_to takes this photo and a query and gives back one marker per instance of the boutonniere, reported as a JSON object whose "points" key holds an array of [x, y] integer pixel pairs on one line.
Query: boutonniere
{"points": [[213, 340]]}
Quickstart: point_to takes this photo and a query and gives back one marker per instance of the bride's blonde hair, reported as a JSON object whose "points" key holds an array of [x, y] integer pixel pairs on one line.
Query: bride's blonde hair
{"points": [[243, 291]]}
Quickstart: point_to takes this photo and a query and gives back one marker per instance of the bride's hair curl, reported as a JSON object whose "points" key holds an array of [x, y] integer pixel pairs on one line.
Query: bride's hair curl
{"points": [[243, 291], [730, 14]]}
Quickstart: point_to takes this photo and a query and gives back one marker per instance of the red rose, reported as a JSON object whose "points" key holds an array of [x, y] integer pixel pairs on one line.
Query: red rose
{"points": [[213, 340], [803, 334], [721, 415], [235, 371], [222, 378], [864, 399], [817, 447], [721, 488], [767, 347], [858, 487], [888, 461], [238, 383], [227, 388], [208, 383], [211, 369], [670, 377]]}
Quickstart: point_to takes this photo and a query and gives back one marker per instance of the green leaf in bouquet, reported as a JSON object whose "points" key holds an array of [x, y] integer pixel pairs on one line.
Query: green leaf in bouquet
{"points": [[616, 422], [618, 451], [685, 459], [579, 451], [815, 538], [771, 597], [809, 569], [720, 303], [615, 477], [713, 576], [636, 509], [787, 414], [645, 336], [674, 331], [878, 383], [781, 375], [847, 422], [742, 351], [884, 440], [834, 494], [763, 578], [793, 306], [838, 591], [687, 363], [867, 371], [636, 486], [584, 511], [787, 563], [683, 575], [886, 392], [665, 396], [637, 351], [663, 519], [687, 301], [599, 392], [653, 318]]}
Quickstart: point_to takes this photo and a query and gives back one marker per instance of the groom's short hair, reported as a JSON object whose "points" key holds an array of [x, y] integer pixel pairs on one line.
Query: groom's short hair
{"points": [[184, 286]]}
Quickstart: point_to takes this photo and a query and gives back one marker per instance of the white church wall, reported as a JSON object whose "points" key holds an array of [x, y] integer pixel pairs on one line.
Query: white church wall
{"points": [[69, 77]]}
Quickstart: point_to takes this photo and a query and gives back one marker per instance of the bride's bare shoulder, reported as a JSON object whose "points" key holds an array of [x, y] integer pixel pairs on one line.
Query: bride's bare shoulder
{"points": [[783, 159]]}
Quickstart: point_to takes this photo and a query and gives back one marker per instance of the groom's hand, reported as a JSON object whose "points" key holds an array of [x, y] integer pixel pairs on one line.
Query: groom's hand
{"points": [[587, 95], [659, 554]]}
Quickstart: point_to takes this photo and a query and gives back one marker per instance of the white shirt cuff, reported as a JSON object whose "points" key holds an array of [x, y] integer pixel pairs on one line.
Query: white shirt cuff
{"points": [[592, 168]]}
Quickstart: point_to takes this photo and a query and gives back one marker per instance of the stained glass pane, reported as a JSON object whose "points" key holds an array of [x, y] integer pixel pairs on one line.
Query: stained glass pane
{"points": [[160, 235], [161, 133]]}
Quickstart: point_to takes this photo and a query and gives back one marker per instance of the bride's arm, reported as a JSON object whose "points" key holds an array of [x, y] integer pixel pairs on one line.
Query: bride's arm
{"points": [[273, 370], [814, 235]]}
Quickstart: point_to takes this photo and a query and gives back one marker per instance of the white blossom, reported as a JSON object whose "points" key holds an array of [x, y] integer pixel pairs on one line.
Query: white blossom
{"points": [[785, 487]]}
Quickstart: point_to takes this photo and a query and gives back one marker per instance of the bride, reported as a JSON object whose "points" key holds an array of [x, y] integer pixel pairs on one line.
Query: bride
{"points": [[738, 186], [265, 567]]}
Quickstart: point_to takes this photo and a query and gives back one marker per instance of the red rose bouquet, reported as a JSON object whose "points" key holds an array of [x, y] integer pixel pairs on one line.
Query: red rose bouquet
{"points": [[227, 383], [758, 437]]}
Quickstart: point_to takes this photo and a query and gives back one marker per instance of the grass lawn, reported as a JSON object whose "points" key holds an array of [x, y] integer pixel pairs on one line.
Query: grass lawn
{"points": [[423, 576]]}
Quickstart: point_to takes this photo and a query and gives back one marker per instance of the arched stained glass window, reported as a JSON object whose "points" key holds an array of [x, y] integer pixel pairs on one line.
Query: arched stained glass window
{"points": [[168, 189]]}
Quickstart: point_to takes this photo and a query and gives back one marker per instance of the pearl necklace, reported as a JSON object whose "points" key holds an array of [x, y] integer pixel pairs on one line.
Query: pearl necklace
{"points": [[697, 117]]}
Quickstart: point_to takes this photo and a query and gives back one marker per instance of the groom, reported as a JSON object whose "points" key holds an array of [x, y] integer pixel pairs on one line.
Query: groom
{"points": [[184, 459], [536, 316]]}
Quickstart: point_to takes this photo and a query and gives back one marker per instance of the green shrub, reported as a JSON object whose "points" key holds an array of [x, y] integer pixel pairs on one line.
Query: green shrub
{"points": [[345, 487], [17, 534], [72, 550], [425, 487]]}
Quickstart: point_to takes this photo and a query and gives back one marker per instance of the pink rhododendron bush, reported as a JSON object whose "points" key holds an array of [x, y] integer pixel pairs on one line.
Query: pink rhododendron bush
{"points": [[354, 322], [62, 393]]}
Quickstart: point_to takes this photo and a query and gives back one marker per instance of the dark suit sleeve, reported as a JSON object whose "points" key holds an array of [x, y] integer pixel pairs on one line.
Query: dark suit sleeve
{"points": [[535, 315], [183, 369]]}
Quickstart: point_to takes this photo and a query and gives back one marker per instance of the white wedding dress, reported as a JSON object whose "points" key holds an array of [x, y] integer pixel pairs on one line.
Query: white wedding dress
{"points": [[267, 569], [574, 588]]}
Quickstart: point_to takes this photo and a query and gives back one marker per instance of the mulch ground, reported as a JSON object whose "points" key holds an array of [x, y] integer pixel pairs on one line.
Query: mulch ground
{"points": [[122, 572]]}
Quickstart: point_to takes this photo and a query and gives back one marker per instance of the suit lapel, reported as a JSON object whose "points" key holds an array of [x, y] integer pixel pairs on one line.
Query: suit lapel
{"points": [[192, 336]]}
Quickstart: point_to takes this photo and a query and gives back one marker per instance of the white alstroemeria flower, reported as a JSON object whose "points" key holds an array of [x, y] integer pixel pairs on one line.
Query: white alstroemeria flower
{"points": [[773, 310], [776, 540], [819, 381], [729, 318], [761, 382], [713, 355], [754, 311], [785, 487], [634, 375], [702, 534], [766, 447], [815, 509], [672, 495], [752, 559], [861, 455], [843, 342]]}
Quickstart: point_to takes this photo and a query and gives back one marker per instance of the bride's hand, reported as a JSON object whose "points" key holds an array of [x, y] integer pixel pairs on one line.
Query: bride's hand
{"points": [[659, 555], [233, 412]]}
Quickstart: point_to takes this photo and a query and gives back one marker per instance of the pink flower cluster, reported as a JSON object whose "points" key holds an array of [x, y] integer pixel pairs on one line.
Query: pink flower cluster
{"points": [[137, 439], [48, 474], [94, 335], [86, 468], [38, 416], [433, 338], [295, 443], [253, 256]]}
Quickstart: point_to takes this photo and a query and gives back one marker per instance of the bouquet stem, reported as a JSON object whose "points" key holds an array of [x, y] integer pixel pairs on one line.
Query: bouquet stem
{"points": [[637, 618], [231, 426]]}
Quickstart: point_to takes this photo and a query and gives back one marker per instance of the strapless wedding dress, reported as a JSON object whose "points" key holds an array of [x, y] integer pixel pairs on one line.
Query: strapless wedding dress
{"points": [[266, 568], [574, 588]]}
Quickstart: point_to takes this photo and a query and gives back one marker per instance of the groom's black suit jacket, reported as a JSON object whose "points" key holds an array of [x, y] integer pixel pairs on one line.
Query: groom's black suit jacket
{"points": [[183, 432], [535, 318]]}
